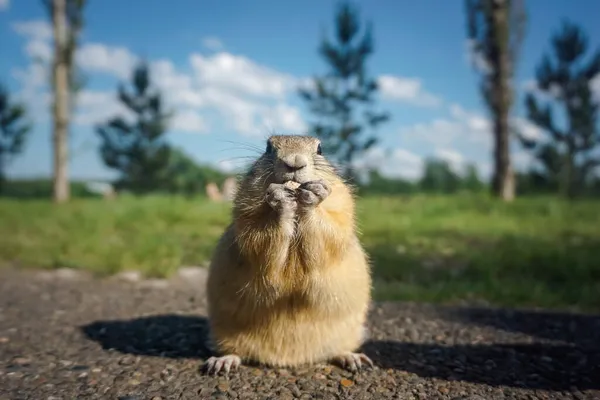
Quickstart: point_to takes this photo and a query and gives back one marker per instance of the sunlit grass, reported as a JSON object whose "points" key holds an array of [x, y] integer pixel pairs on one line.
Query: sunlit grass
{"points": [[538, 251]]}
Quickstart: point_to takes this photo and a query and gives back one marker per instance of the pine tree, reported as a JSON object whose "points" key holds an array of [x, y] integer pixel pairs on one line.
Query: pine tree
{"points": [[138, 149], [14, 129], [471, 180], [67, 22], [438, 177], [338, 94], [566, 154], [496, 29]]}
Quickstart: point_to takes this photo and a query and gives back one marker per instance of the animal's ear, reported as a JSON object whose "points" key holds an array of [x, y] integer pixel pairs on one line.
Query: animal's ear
{"points": [[319, 150], [269, 149]]}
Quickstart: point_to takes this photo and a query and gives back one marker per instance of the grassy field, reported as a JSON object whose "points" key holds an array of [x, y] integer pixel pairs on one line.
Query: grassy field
{"points": [[534, 252]]}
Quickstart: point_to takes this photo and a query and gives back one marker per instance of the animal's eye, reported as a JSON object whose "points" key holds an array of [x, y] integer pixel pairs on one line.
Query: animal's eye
{"points": [[319, 150], [269, 149]]}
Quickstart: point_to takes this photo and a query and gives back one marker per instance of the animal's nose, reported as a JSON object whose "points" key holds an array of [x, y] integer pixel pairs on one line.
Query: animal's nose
{"points": [[296, 162]]}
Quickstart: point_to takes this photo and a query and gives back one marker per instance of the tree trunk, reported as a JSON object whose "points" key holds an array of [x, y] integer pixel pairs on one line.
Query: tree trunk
{"points": [[503, 183], [61, 103]]}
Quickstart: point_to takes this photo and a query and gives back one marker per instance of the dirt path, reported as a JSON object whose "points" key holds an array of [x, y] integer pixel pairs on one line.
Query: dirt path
{"points": [[66, 336]]}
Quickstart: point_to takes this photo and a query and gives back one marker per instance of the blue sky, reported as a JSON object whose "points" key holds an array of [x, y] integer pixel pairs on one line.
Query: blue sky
{"points": [[230, 69]]}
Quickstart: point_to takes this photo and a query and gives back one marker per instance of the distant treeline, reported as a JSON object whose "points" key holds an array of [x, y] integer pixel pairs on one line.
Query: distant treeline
{"points": [[186, 177], [40, 188], [181, 176], [439, 178]]}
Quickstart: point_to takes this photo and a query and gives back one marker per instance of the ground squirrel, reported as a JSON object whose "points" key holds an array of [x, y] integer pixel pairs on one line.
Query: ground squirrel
{"points": [[289, 282]]}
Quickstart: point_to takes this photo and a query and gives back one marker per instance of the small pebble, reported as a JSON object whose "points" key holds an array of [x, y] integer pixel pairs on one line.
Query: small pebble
{"points": [[346, 382], [21, 360]]}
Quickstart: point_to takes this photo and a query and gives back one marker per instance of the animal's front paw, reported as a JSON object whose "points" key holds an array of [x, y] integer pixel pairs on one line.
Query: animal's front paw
{"points": [[281, 199], [216, 365], [313, 193], [353, 361]]}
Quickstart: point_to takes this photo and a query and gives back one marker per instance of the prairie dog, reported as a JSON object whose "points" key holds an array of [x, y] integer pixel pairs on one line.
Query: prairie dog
{"points": [[289, 282]]}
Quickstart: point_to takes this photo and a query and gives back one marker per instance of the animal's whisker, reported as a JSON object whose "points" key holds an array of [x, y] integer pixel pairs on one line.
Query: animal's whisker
{"points": [[244, 146], [238, 158], [249, 149]]}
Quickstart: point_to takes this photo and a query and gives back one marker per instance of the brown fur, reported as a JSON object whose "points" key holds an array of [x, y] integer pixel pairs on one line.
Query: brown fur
{"points": [[292, 288]]}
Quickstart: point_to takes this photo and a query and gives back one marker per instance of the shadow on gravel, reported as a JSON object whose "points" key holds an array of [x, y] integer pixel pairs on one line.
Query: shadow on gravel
{"points": [[173, 336], [570, 328], [562, 366], [534, 366], [562, 352]]}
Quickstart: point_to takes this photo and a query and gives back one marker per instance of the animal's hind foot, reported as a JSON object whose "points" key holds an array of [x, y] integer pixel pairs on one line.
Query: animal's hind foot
{"points": [[216, 365], [353, 361]]}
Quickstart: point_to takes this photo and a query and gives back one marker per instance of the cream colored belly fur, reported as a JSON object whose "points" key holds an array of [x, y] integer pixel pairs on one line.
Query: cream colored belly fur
{"points": [[321, 318], [288, 342]]}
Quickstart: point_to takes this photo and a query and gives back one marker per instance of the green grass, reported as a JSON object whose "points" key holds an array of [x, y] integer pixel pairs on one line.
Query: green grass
{"points": [[534, 252]]}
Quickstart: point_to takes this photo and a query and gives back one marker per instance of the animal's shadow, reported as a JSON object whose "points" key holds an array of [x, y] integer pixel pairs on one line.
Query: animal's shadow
{"points": [[173, 336], [571, 361]]}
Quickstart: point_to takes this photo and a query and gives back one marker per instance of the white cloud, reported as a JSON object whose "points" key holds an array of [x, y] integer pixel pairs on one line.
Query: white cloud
{"points": [[475, 58], [4, 5], [452, 157], [472, 120], [96, 57], [466, 126], [34, 79], [237, 111], [226, 166], [38, 34], [284, 117], [95, 107], [39, 49], [458, 163], [250, 98], [35, 29], [527, 129], [189, 121], [408, 90], [240, 75], [397, 163], [252, 118], [462, 125], [438, 131], [34, 76], [212, 43], [176, 86]]}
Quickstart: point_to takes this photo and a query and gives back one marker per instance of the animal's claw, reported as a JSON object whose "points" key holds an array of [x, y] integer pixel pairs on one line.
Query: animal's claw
{"points": [[216, 365]]}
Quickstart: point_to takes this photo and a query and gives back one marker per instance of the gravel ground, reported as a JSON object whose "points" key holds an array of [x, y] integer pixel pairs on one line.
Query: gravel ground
{"points": [[64, 335]]}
